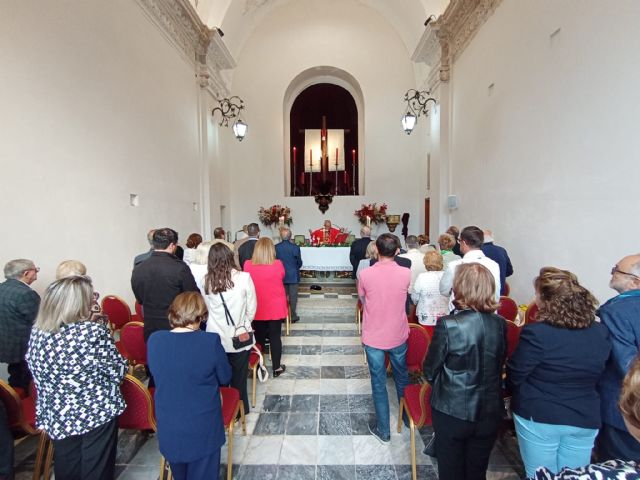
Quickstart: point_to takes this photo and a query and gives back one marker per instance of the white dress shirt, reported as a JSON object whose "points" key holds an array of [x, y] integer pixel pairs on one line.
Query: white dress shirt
{"points": [[472, 256], [417, 265]]}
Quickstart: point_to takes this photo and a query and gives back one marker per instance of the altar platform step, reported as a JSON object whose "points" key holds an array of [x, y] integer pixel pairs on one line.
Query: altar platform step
{"points": [[325, 307]]}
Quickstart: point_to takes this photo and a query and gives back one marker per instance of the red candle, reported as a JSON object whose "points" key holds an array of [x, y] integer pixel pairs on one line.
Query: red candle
{"points": [[294, 154], [353, 153], [311, 159], [336, 159]]}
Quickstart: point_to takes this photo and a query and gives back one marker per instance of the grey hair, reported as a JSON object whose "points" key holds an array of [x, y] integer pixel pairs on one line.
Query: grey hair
{"points": [[365, 231], [412, 241], [15, 268], [70, 268], [372, 250], [285, 233], [150, 236], [202, 253], [65, 301]]}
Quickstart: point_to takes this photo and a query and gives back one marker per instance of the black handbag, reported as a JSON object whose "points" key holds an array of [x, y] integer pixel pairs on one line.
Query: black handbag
{"points": [[240, 340]]}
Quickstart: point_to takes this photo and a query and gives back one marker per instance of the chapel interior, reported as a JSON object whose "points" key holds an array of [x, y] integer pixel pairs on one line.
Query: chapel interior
{"points": [[107, 131]]}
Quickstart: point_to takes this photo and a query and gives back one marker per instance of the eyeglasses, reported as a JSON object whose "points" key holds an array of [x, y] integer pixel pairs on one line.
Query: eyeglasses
{"points": [[615, 270]]}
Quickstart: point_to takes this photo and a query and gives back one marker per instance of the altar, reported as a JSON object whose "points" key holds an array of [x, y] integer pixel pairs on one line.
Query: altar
{"points": [[326, 259]]}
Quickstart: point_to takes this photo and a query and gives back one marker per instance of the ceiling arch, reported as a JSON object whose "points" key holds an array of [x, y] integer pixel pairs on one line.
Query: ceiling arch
{"points": [[238, 18]]}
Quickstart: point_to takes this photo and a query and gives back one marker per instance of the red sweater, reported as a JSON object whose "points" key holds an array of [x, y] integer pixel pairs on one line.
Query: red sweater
{"points": [[272, 300]]}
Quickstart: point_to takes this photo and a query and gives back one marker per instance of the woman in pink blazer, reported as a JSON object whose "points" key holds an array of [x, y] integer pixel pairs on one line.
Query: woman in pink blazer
{"points": [[267, 274]]}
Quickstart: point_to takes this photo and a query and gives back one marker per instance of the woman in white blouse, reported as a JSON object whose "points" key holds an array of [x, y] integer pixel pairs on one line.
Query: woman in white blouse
{"points": [[426, 291], [77, 371], [222, 286]]}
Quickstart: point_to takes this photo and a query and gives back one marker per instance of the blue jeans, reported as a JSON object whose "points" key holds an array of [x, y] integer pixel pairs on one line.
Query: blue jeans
{"points": [[553, 446], [375, 360]]}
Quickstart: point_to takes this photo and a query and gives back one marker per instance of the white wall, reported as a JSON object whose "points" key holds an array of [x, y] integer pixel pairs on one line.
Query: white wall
{"points": [[96, 104], [352, 37], [550, 160]]}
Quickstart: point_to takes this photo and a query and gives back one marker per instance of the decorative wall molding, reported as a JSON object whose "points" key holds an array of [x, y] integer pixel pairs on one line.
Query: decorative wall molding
{"points": [[200, 45], [446, 38]]}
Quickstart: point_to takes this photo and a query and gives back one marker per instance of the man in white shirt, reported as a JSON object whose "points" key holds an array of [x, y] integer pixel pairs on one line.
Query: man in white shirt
{"points": [[471, 240], [416, 257]]}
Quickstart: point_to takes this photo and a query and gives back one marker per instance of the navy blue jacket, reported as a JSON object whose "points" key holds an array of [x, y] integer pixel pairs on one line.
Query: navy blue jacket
{"points": [[621, 316], [289, 254], [554, 372], [357, 252], [188, 369], [500, 256]]}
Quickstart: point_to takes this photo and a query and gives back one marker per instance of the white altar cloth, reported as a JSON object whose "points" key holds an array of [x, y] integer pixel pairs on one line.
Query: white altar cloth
{"points": [[326, 259]]}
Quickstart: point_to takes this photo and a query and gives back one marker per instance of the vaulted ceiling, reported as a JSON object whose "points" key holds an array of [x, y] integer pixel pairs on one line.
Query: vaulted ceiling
{"points": [[238, 18]]}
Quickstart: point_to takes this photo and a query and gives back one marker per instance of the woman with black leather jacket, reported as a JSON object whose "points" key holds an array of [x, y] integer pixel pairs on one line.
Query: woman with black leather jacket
{"points": [[464, 367]]}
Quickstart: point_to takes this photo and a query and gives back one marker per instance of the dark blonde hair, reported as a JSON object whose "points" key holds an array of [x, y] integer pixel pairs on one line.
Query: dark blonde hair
{"points": [[630, 398], [474, 288], [433, 261], [564, 302], [446, 241], [264, 252], [187, 309], [194, 240], [65, 301]]}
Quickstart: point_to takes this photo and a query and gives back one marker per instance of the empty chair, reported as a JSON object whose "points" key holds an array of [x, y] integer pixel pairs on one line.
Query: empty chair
{"points": [[21, 416], [139, 413], [231, 406], [135, 348], [530, 314], [117, 310], [417, 346], [415, 403], [508, 308]]}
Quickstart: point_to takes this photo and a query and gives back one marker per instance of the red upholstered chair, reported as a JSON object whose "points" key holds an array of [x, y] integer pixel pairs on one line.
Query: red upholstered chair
{"points": [[507, 289], [359, 316], [139, 413], [21, 416], [417, 346], [508, 308], [231, 405], [139, 315], [513, 337], [412, 317], [117, 310], [132, 339], [531, 313], [254, 364], [415, 403]]}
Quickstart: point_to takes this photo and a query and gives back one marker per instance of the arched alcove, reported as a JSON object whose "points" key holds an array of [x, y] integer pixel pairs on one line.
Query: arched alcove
{"points": [[317, 77]]}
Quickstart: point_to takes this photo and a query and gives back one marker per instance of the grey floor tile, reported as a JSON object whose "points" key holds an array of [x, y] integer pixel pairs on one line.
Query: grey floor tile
{"points": [[223, 470], [335, 472], [333, 372], [302, 424], [352, 349], [310, 349], [253, 472], [334, 403], [361, 404], [425, 472], [334, 424], [360, 423], [296, 472], [305, 403], [375, 472], [356, 372], [270, 424], [304, 373], [276, 403], [307, 333], [291, 349]]}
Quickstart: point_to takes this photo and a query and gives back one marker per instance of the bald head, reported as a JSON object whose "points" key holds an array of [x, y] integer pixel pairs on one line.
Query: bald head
{"points": [[625, 274]]}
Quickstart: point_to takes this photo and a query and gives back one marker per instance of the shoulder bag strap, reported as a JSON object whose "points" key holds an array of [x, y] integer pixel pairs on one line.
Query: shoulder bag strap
{"points": [[227, 313]]}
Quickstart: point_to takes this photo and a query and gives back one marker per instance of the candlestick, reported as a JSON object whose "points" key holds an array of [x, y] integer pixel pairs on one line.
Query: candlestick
{"points": [[295, 179], [368, 221], [281, 221], [353, 169], [310, 170]]}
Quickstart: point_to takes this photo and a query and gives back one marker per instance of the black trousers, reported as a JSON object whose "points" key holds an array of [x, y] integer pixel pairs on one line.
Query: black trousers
{"points": [[6, 446], [239, 368], [19, 375], [613, 443], [271, 328], [90, 456], [463, 448]]}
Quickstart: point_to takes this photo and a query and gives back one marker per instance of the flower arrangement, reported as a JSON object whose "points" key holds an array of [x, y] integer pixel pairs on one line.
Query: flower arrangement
{"points": [[275, 214], [371, 213]]}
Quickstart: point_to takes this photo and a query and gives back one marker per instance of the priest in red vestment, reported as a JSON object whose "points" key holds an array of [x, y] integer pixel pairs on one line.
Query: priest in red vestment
{"points": [[325, 235]]}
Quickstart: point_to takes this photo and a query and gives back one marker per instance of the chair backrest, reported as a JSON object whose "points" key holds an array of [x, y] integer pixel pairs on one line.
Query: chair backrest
{"points": [[254, 358], [508, 308], [132, 338], [417, 346], [117, 310], [230, 398], [513, 337], [532, 312], [139, 413], [20, 413], [425, 401], [507, 289]]}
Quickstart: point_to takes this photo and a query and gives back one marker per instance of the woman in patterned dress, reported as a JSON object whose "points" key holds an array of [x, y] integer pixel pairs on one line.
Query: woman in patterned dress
{"points": [[77, 372]]}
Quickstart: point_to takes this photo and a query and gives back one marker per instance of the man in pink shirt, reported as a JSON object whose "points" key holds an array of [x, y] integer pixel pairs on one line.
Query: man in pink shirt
{"points": [[383, 291]]}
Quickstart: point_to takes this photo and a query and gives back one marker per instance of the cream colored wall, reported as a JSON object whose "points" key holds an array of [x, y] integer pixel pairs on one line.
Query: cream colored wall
{"points": [[550, 158], [349, 36], [95, 105]]}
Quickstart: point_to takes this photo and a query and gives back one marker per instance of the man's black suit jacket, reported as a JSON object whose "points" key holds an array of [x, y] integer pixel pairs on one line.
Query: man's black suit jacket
{"points": [[358, 252]]}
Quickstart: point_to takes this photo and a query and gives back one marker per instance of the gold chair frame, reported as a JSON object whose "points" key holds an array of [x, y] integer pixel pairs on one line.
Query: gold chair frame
{"points": [[412, 426]]}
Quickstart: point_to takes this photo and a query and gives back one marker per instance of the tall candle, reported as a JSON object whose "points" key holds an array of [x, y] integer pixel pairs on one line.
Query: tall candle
{"points": [[368, 221], [294, 171], [310, 170], [336, 159]]}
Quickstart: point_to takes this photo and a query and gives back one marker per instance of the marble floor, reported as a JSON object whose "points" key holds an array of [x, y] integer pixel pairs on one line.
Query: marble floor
{"points": [[311, 422]]}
